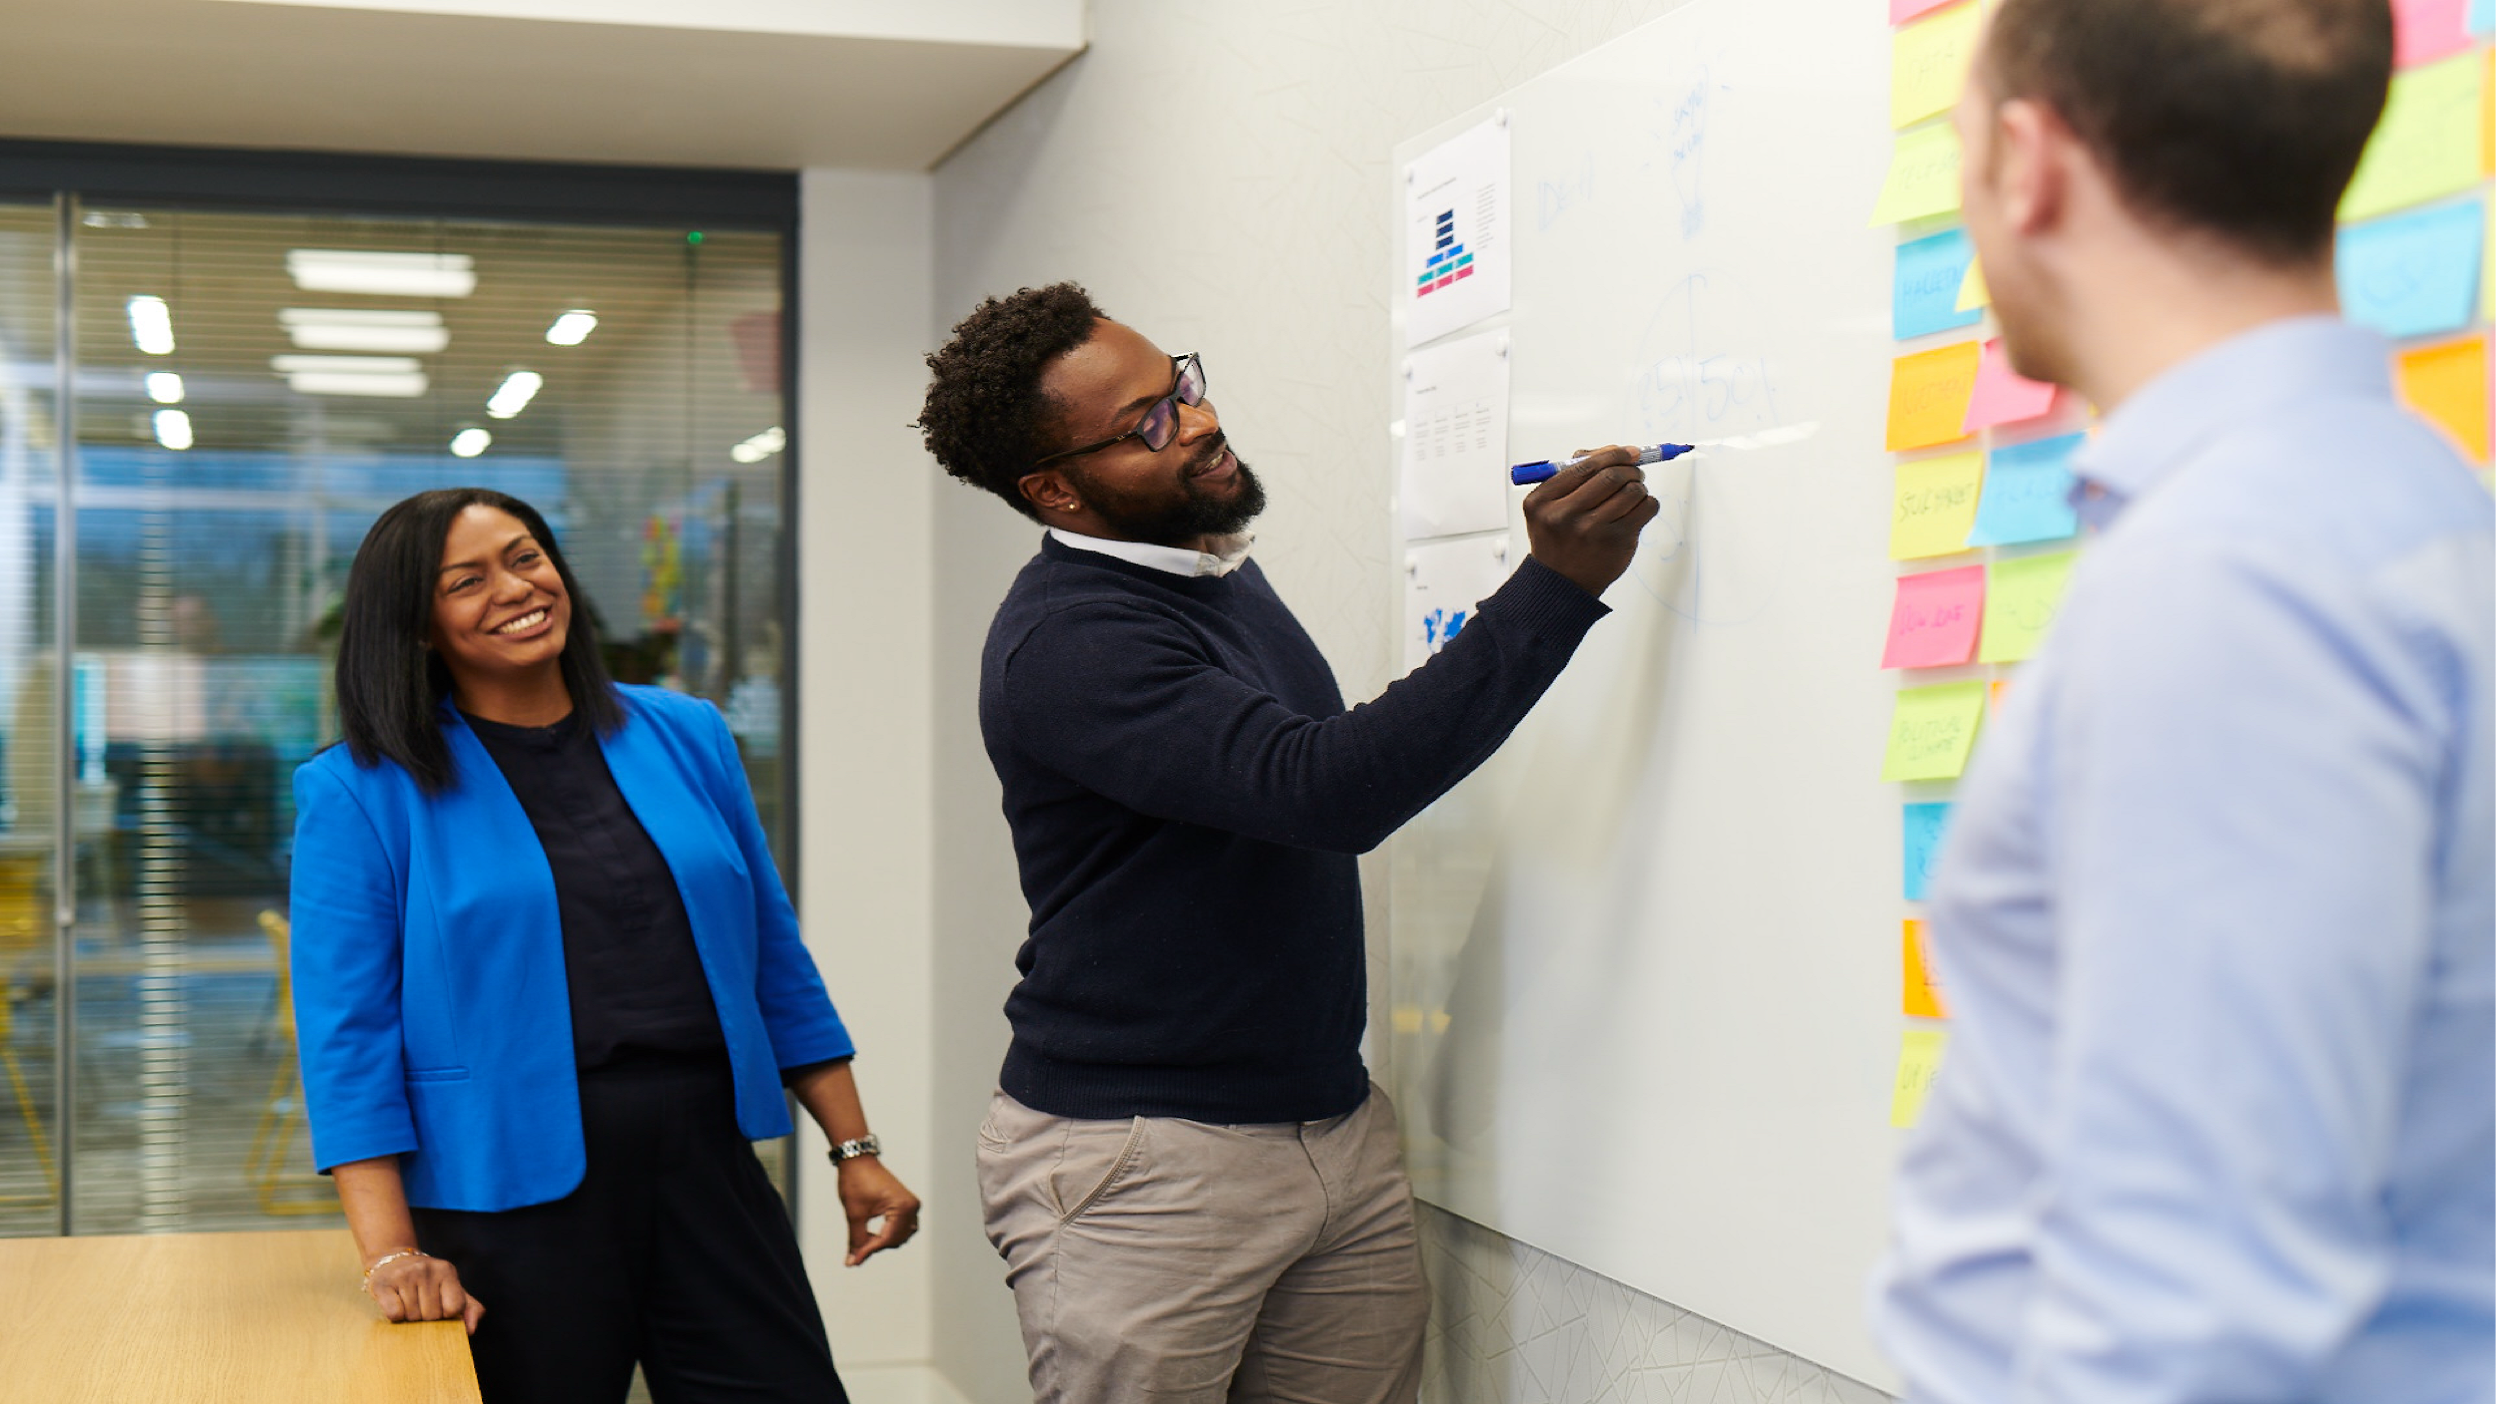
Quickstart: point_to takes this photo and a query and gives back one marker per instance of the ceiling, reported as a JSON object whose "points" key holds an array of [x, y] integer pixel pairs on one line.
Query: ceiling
{"points": [[560, 80]]}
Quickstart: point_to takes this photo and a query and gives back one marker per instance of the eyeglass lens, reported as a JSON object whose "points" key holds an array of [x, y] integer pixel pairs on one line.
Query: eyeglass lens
{"points": [[1161, 422]]}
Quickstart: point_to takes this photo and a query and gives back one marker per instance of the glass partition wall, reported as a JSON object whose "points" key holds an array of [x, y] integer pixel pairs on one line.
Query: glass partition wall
{"points": [[249, 390]]}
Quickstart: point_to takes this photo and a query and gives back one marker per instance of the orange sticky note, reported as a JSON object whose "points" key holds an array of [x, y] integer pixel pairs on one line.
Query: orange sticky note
{"points": [[1923, 994], [2447, 385], [1995, 692], [1928, 395]]}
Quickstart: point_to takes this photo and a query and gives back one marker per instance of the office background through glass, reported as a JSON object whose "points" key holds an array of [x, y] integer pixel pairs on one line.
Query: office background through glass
{"points": [[250, 389]]}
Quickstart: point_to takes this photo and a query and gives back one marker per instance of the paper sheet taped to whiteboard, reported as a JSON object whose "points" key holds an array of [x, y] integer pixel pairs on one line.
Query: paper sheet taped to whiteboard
{"points": [[1444, 582], [1456, 438], [1456, 233]]}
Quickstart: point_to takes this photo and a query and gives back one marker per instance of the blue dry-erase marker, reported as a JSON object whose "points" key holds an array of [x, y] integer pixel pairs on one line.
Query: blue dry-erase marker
{"points": [[1526, 473]]}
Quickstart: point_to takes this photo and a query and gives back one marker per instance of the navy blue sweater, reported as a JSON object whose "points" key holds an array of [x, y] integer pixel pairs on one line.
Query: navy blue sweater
{"points": [[1187, 794]]}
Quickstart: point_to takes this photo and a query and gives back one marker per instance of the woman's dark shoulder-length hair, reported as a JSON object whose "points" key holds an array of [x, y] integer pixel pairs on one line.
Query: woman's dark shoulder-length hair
{"points": [[390, 684]]}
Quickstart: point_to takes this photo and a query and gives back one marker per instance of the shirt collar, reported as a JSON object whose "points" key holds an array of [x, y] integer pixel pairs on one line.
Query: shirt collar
{"points": [[2249, 377], [1229, 553]]}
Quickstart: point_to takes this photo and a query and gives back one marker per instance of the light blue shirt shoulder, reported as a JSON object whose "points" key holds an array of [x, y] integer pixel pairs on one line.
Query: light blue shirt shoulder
{"points": [[2217, 918]]}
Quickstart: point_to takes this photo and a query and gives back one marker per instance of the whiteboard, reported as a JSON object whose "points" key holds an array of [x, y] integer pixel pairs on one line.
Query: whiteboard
{"points": [[1644, 965]]}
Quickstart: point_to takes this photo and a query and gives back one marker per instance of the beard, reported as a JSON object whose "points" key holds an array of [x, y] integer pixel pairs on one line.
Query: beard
{"points": [[1196, 513]]}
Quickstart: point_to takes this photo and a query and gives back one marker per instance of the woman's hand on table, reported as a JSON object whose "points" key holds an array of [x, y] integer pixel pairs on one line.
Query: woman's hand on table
{"points": [[870, 1192], [417, 1287]]}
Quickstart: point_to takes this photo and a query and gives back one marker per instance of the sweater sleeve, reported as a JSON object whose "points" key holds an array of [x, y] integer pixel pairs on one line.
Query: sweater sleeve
{"points": [[1126, 702]]}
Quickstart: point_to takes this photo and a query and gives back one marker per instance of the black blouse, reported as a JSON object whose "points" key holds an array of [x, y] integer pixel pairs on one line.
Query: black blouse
{"points": [[628, 954]]}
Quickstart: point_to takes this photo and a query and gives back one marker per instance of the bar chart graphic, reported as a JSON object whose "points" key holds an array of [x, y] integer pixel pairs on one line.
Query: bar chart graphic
{"points": [[1449, 260]]}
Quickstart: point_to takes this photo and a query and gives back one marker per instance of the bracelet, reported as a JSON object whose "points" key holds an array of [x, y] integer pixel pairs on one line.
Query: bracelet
{"points": [[386, 1260], [851, 1150]]}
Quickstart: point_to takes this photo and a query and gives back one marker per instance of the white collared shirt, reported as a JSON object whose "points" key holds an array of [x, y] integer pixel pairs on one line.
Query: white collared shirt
{"points": [[1229, 554]]}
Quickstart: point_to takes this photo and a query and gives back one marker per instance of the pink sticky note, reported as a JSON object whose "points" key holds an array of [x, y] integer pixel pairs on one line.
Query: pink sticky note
{"points": [[1933, 624], [2003, 395], [1900, 11], [2426, 30]]}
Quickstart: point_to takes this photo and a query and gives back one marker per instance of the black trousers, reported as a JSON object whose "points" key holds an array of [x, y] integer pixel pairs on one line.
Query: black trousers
{"points": [[675, 1251]]}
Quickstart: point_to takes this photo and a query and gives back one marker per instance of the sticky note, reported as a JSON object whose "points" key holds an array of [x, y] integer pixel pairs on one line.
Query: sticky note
{"points": [[1928, 63], [1919, 1062], [2413, 274], [1900, 11], [1935, 505], [2447, 385], [2428, 143], [1924, 827], [2001, 688], [1932, 622], [2002, 395], [1931, 731], [2027, 493], [1921, 994], [1928, 395], [1924, 289], [1973, 293], [1923, 177], [2487, 266], [2426, 30], [2020, 597], [2482, 17]]}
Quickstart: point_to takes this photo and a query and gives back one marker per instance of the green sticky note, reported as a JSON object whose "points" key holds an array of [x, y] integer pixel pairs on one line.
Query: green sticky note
{"points": [[2020, 596], [1923, 176], [2428, 141], [1932, 730]]}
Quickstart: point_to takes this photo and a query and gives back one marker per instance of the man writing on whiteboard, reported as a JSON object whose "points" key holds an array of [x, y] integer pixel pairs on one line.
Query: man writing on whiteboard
{"points": [[2218, 1117], [1197, 1191]]}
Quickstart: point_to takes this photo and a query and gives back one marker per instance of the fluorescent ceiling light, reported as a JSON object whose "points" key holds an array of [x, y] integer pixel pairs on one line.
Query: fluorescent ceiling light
{"points": [[470, 442], [514, 394], [173, 429], [353, 329], [151, 325], [382, 274], [387, 377], [761, 446], [573, 327], [164, 387]]}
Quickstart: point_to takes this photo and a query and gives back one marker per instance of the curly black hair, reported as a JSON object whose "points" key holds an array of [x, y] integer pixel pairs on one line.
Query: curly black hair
{"points": [[986, 419]]}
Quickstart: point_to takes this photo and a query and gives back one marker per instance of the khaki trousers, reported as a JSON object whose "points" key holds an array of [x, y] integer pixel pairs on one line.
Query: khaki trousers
{"points": [[1166, 1260]]}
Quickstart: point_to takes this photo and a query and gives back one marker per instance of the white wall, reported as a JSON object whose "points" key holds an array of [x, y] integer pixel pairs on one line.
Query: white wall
{"points": [[865, 626], [1042, 23]]}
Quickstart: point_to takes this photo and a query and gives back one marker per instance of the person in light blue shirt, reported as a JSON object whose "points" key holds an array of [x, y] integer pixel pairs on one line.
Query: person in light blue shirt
{"points": [[2216, 916]]}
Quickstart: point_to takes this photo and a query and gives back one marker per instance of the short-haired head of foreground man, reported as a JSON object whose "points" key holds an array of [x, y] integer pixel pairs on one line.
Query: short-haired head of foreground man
{"points": [[2216, 915], [1197, 1191]]}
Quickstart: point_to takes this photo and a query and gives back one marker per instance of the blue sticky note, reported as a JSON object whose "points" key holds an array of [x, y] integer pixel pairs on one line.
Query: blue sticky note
{"points": [[1924, 828], [2413, 274], [2027, 494], [2483, 17], [1924, 295]]}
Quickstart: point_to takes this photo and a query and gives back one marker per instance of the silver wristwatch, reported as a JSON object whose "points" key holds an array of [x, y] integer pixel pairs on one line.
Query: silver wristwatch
{"points": [[851, 1150]]}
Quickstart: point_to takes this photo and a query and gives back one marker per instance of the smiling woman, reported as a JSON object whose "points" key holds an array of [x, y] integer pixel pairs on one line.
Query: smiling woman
{"points": [[534, 1080]]}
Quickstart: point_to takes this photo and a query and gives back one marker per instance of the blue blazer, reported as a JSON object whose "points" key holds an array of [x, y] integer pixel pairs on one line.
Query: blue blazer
{"points": [[431, 1009]]}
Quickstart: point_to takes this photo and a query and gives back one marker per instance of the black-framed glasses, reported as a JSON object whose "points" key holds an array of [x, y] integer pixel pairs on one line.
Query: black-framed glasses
{"points": [[1160, 423]]}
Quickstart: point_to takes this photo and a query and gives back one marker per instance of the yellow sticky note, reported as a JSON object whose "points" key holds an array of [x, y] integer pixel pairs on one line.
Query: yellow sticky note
{"points": [[1922, 998], [2487, 251], [1934, 507], [2447, 385], [1972, 290], [1919, 1062], [1931, 731], [1923, 176], [1928, 63], [2429, 141], [1928, 395], [2020, 597]]}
